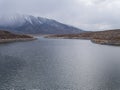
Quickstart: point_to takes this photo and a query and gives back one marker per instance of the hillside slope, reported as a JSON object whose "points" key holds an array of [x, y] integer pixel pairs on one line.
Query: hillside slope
{"points": [[35, 25], [7, 35]]}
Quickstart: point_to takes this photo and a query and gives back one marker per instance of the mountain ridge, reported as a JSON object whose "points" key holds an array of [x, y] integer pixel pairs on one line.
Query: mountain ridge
{"points": [[29, 24]]}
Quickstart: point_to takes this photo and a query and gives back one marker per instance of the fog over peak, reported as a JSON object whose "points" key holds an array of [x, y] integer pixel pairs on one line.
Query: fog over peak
{"points": [[85, 14]]}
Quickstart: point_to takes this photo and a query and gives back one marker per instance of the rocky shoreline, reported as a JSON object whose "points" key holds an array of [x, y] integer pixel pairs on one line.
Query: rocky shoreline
{"points": [[106, 42], [6, 37], [16, 40], [108, 37]]}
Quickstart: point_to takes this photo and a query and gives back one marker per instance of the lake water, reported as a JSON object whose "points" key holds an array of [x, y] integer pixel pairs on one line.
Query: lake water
{"points": [[59, 64]]}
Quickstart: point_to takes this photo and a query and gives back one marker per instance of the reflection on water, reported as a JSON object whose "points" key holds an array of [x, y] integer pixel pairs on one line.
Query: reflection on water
{"points": [[53, 64]]}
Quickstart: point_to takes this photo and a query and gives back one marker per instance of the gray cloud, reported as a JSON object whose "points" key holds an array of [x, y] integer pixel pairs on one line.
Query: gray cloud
{"points": [[85, 14]]}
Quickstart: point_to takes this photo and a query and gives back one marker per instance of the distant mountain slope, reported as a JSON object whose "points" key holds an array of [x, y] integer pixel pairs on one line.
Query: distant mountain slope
{"points": [[35, 25]]}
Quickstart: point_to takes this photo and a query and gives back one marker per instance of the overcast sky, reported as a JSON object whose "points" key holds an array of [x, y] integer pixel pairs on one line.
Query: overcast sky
{"points": [[85, 14]]}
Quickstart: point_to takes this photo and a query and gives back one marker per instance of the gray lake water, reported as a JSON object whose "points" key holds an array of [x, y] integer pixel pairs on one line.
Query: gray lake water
{"points": [[59, 64]]}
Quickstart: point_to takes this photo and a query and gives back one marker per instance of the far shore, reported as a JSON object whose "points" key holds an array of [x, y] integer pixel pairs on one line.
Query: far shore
{"points": [[107, 37]]}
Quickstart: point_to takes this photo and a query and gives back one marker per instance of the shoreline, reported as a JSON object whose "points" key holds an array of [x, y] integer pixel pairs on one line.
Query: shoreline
{"points": [[96, 41], [106, 42], [6, 37], [16, 40], [109, 37]]}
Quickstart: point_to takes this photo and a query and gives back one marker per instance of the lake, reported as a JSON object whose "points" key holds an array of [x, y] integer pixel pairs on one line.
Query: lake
{"points": [[59, 64]]}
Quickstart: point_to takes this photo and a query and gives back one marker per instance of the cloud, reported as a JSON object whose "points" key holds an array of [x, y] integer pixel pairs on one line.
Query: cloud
{"points": [[85, 14]]}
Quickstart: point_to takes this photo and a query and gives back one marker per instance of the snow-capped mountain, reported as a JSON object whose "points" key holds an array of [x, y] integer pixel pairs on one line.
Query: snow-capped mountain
{"points": [[35, 25]]}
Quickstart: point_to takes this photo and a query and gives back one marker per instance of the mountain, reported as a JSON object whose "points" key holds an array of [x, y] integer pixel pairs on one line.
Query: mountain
{"points": [[28, 24]]}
